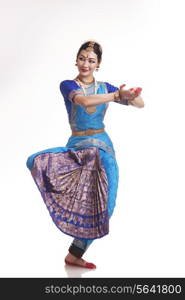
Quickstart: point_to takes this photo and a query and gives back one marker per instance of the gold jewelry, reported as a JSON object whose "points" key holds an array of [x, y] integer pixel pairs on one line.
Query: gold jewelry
{"points": [[85, 82], [116, 96], [90, 46], [87, 132]]}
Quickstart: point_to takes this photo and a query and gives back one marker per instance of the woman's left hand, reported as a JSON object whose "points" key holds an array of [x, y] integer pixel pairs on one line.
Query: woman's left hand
{"points": [[137, 102]]}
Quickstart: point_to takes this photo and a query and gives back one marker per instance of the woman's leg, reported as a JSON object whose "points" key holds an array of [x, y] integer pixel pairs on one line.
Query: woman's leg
{"points": [[112, 171], [76, 251], [79, 246]]}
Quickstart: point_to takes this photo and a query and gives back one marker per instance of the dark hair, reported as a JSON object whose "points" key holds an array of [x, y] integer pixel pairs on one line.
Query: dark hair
{"points": [[96, 48]]}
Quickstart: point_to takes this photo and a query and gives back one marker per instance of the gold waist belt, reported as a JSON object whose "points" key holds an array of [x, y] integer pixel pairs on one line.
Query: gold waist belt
{"points": [[88, 131]]}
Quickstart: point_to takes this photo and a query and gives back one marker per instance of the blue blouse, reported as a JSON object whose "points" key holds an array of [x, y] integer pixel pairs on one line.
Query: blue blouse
{"points": [[79, 118]]}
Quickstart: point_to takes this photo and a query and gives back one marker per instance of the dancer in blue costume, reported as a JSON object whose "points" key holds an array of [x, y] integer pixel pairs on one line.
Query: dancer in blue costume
{"points": [[79, 182]]}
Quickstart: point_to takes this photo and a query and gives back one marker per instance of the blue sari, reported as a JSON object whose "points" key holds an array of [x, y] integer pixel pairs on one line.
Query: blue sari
{"points": [[79, 182]]}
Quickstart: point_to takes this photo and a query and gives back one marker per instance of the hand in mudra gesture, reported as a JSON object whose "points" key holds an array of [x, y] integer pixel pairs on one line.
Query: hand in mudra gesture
{"points": [[132, 95]]}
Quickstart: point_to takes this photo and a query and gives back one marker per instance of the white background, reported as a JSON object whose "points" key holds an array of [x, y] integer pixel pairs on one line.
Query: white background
{"points": [[141, 41]]}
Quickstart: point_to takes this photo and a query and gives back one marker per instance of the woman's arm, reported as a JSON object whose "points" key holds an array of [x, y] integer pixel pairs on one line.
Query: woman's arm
{"points": [[90, 100], [94, 99]]}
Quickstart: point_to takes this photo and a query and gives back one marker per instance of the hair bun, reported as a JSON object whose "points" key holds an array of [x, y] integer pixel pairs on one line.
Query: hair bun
{"points": [[92, 45]]}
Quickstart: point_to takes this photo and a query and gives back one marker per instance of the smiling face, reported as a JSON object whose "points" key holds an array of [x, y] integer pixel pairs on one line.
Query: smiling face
{"points": [[87, 62]]}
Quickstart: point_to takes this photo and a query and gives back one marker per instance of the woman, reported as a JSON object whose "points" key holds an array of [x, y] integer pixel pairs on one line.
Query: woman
{"points": [[79, 182]]}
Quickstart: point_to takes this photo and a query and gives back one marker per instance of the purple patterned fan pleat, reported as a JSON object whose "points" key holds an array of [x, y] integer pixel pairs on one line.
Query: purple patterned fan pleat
{"points": [[74, 187]]}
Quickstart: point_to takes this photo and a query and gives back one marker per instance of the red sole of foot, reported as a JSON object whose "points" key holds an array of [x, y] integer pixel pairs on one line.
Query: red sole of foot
{"points": [[87, 265]]}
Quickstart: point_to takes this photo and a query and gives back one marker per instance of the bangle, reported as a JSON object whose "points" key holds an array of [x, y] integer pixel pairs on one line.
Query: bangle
{"points": [[116, 96]]}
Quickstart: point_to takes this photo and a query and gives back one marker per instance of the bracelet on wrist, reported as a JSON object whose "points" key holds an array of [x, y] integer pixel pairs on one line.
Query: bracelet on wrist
{"points": [[118, 99], [116, 96]]}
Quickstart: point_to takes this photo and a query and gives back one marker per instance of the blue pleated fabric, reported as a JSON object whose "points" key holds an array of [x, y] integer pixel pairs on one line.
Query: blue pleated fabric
{"points": [[80, 119]]}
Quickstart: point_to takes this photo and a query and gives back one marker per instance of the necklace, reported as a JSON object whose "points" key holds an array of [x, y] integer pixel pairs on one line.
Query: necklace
{"points": [[89, 109], [85, 82]]}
